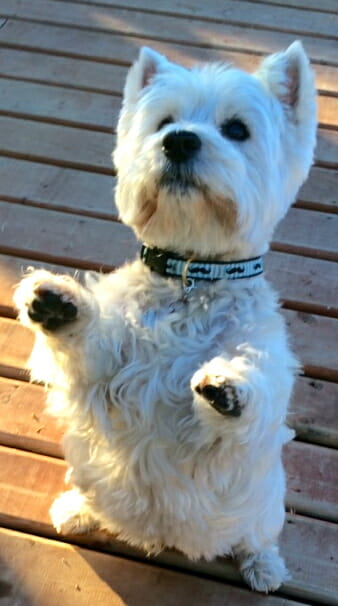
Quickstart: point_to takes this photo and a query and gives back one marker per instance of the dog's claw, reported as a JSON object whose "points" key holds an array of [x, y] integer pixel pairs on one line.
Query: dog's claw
{"points": [[51, 310], [222, 398]]}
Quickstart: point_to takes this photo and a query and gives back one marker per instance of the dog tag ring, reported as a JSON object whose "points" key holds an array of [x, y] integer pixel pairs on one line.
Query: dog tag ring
{"points": [[188, 286]]}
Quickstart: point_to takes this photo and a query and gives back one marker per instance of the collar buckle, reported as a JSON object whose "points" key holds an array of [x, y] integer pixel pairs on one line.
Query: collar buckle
{"points": [[155, 258]]}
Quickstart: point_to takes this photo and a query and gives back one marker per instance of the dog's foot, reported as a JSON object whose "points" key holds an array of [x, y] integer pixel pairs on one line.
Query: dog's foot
{"points": [[264, 571], [70, 514], [221, 393], [47, 301]]}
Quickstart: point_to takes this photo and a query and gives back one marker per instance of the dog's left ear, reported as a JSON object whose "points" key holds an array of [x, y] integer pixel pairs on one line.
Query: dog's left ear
{"points": [[149, 62], [289, 77]]}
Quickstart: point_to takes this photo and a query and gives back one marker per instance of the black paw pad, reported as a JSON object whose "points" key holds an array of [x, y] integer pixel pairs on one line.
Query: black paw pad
{"points": [[222, 398], [50, 310]]}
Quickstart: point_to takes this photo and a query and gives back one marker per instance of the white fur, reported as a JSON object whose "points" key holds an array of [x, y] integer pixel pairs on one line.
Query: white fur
{"points": [[151, 460]]}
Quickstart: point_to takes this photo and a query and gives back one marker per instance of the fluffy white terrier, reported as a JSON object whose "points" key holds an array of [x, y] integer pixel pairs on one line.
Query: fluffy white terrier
{"points": [[175, 388]]}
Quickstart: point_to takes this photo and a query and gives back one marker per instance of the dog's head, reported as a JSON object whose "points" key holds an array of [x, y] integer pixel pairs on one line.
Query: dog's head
{"points": [[210, 158]]}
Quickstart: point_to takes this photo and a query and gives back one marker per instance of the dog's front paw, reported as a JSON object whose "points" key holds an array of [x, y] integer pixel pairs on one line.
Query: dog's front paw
{"points": [[51, 309], [46, 300], [222, 396], [219, 392]]}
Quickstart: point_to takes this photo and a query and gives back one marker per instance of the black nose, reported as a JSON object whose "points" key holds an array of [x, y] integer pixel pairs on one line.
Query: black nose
{"points": [[180, 146]]}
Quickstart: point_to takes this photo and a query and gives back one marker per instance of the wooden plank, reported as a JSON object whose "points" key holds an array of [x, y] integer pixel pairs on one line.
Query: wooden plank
{"points": [[312, 473], [29, 483], [312, 470], [320, 189], [215, 17], [53, 573], [24, 423], [302, 283], [56, 187], [90, 193], [61, 238], [16, 343], [84, 149], [329, 6], [96, 111], [326, 150], [56, 144], [327, 111], [314, 411], [108, 78], [88, 44], [308, 232], [84, 109], [84, 241], [63, 71], [314, 339]]}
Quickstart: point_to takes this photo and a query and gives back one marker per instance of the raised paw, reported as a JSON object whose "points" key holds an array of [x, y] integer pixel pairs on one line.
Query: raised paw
{"points": [[50, 309], [221, 394], [48, 301]]}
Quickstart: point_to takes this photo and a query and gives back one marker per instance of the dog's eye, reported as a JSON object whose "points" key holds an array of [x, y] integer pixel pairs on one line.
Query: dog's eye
{"points": [[235, 129], [165, 121]]}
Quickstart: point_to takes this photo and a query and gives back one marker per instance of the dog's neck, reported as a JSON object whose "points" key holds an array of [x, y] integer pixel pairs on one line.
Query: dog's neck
{"points": [[170, 264]]}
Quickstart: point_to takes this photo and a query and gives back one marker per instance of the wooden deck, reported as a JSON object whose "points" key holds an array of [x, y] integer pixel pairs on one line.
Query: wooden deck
{"points": [[62, 67]]}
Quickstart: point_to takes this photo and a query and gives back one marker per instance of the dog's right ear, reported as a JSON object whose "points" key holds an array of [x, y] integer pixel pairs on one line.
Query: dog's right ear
{"points": [[141, 73]]}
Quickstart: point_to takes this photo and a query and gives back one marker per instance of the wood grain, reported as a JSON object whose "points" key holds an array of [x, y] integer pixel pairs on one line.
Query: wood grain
{"points": [[78, 191], [313, 337], [302, 282], [312, 470], [24, 422], [63, 238], [217, 23], [201, 42], [94, 111], [30, 482], [191, 8], [309, 233], [90, 150], [314, 411], [53, 573], [89, 110], [109, 77]]}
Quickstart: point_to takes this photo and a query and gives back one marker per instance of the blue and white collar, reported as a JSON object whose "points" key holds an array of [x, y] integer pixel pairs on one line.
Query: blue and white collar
{"points": [[170, 264]]}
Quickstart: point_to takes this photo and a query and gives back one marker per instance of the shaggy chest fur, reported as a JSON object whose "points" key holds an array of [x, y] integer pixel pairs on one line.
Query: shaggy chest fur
{"points": [[155, 468], [164, 341]]}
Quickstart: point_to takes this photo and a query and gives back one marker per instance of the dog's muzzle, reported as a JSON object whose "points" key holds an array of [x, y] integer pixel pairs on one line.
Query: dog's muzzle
{"points": [[180, 149]]}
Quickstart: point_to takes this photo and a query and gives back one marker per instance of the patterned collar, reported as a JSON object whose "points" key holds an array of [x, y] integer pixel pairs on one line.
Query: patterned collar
{"points": [[167, 263]]}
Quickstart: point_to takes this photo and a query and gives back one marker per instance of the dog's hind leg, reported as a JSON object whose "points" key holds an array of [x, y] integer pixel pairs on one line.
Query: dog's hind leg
{"points": [[71, 513], [263, 570]]}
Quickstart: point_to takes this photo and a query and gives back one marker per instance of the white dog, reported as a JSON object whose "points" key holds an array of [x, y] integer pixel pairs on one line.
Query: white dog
{"points": [[174, 373]]}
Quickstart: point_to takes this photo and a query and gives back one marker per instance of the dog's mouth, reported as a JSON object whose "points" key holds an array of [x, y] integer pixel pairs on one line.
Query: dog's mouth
{"points": [[178, 179]]}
